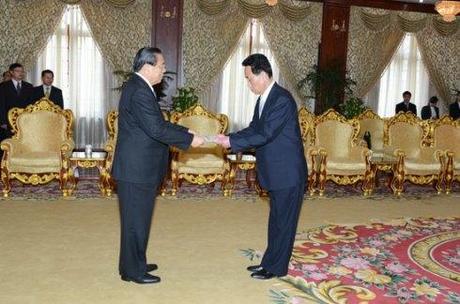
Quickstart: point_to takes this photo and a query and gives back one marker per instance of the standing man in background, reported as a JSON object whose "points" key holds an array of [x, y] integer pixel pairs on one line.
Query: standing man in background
{"points": [[431, 111], [14, 93], [454, 108], [406, 105], [47, 89], [141, 160], [280, 162]]}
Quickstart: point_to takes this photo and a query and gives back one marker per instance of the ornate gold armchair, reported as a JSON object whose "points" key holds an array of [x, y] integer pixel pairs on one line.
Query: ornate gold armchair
{"points": [[446, 137], [406, 137], [40, 148], [112, 127], [374, 124], [205, 164], [342, 160], [307, 128]]}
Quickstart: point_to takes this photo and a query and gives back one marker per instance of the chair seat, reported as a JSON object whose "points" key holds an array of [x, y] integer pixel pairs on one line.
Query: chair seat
{"points": [[197, 162], [421, 167], [35, 162], [345, 166]]}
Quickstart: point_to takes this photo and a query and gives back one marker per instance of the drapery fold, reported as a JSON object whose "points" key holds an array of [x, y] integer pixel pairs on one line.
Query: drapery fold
{"points": [[25, 29], [375, 34]]}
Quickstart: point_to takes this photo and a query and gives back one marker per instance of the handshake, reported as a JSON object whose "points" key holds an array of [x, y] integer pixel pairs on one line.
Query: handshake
{"points": [[220, 139]]}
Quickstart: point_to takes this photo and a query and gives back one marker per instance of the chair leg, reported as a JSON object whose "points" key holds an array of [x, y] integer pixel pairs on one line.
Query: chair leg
{"points": [[174, 182], [449, 176], [6, 182], [322, 175]]}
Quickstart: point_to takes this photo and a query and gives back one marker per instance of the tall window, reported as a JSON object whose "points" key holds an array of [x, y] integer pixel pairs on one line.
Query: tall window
{"points": [[236, 100], [83, 75], [406, 72]]}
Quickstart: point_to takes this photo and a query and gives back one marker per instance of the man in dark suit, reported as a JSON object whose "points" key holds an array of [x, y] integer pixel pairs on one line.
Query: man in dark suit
{"points": [[141, 160], [281, 167], [14, 93], [406, 105], [47, 89], [454, 108], [431, 111]]}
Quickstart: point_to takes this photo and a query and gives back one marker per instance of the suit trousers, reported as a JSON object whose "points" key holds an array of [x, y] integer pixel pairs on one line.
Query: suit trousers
{"points": [[285, 205], [136, 208]]}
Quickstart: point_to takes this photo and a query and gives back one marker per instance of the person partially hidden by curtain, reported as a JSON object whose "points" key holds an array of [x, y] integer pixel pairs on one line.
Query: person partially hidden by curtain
{"points": [[431, 111], [14, 93], [5, 77], [454, 108], [47, 89]]}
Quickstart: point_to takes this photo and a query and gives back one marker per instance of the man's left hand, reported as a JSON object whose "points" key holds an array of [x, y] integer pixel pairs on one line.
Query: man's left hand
{"points": [[223, 140]]}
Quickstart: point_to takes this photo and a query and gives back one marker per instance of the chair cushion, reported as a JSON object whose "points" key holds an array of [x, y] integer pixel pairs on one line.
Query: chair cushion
{"points": [[345, 166], [419, 166], [35, 162], [200, 161]]}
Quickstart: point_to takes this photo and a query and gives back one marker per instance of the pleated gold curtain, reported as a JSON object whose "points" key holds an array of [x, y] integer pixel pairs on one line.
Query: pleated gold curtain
{"points": [[375, 35], [25, 29], [212, 29], [120, 28]]}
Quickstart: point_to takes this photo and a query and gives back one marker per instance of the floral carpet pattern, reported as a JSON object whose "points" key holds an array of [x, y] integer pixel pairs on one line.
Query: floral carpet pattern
{"points": [[402, 261]]}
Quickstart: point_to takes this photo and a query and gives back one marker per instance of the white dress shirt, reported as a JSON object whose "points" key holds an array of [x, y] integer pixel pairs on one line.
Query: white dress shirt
{"points": [[434, 115], [264, 96]]}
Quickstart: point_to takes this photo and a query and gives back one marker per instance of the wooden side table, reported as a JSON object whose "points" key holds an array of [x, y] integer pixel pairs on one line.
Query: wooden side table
{"points": [[382, 163], [96, 160], [245, 162]]}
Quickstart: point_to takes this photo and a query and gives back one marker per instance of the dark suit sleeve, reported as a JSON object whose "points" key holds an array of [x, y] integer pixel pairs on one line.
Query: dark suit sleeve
{"points": [[179, 127], [426, 112], [274, 122], [414, 109], [59, 100], [396, 109], [3, 118], [151, 121]]}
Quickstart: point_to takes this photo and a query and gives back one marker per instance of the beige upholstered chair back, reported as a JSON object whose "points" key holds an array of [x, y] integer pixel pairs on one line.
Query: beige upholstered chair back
{"points": [[198, 119], [41, 131], [406, 132], [446, 135], [335, 133], [374, 124]]}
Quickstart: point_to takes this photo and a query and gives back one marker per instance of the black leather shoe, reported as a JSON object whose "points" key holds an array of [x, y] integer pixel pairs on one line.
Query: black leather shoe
{"points": [[263, 275], [151, 267], [143, 279], [254, 268]]}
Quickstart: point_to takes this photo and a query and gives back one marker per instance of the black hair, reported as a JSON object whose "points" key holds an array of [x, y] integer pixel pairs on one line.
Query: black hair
{"points": [[146, 55], [407, 93], [258, 63], [15, 65], [434, 99], [47, 72]]}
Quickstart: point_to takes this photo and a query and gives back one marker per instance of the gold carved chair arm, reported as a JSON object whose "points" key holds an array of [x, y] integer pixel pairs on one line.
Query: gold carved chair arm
{"points": [[67, 147]]}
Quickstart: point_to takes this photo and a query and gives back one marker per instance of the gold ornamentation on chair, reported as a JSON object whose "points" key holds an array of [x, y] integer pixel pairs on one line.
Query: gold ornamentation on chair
{"points": [[342, 159], [205, 164], [407, 137], [40, 148], [307, 128], [446, 137], [106, 179]]}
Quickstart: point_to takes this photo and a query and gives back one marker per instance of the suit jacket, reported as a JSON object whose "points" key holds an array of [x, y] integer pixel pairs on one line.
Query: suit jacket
{"points": [[454, 110], [142, 149], [9, 98], [426, 112], [401, 107], [55, 95], [280, 158]]}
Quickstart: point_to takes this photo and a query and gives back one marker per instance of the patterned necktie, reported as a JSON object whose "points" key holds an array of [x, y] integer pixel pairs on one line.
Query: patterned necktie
{"points": [[47, 92], [261, 105]]}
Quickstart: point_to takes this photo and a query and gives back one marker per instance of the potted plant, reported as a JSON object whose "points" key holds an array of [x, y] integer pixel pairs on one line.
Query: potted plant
{"points": [[327, 85], [352, 107], [184, 99]]}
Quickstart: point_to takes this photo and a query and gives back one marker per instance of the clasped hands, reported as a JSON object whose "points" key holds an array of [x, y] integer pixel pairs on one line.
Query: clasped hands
{"points": [[219, 139]]}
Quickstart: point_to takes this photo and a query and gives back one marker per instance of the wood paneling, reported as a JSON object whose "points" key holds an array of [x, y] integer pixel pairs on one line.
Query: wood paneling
{"points": [[167, 35]]}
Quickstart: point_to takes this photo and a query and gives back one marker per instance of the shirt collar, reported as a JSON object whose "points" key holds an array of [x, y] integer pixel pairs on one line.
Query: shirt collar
{"points": [[146, 81], [15, 82], [265, 94]]}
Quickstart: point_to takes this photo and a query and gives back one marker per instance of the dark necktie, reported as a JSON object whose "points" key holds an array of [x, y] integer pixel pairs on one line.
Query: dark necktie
{"points": [[18, 88]]}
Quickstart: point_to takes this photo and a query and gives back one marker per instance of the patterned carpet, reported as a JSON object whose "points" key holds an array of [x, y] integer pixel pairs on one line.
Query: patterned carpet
{"points": [[88, 188], [403, 261]]}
